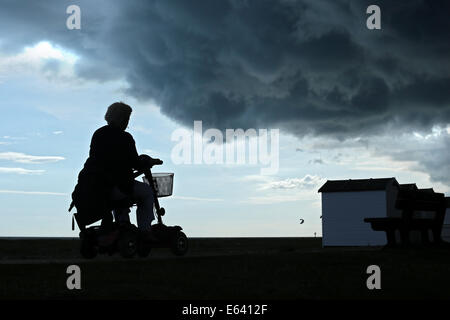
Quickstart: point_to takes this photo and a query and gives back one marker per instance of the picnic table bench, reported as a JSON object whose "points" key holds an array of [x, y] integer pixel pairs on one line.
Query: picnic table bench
{"points": [[409, 202]]}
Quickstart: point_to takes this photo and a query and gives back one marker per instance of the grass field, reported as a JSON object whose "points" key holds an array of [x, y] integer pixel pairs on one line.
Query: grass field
{"points": [[227, 268]]}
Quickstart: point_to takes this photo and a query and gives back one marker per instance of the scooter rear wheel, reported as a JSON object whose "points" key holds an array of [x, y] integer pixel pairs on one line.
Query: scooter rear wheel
{"points": [[87, 249], [127, 244]]}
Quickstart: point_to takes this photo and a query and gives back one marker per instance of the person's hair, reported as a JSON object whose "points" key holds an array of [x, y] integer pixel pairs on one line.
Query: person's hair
{"points": [[118, 113]]}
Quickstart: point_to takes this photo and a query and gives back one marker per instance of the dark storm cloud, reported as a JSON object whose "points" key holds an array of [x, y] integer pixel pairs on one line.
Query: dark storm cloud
{"points": [[433, 159], [302, 66]]}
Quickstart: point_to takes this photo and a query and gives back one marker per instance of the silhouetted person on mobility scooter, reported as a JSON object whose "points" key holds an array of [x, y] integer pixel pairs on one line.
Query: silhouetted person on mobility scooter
{"points": [[107, 183]]}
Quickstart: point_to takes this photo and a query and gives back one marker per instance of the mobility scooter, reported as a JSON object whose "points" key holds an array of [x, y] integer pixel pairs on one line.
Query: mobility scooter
{"points": [[126, 238]]}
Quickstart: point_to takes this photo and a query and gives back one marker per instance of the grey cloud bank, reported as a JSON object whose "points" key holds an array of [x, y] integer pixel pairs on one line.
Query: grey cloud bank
{"points": [[303, 66]]}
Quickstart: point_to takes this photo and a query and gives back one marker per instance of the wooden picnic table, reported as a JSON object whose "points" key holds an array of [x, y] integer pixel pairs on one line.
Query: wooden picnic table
{"points": [[409, 202]]}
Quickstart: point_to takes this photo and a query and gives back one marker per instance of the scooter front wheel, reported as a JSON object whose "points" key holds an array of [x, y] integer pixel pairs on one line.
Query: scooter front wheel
{"points": [[180, 244]]}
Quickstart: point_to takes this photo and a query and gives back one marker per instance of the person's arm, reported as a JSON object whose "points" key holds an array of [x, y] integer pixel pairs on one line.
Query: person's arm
{"points": [[134, 156]]}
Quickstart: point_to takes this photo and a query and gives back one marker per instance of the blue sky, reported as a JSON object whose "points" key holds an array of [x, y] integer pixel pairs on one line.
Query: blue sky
{"points": [[46, 127], [50, 109]]}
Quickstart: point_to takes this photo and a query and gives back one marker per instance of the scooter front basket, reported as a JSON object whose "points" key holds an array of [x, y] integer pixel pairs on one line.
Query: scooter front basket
{"points": [[163, 183]]}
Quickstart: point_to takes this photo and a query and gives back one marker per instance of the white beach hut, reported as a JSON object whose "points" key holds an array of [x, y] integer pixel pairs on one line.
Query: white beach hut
{"points": [[345, 204], [446, 227]]}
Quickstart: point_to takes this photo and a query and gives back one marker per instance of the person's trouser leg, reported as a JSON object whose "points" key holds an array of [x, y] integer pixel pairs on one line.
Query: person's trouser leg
{"points": [[121, 215], [142, 194]]}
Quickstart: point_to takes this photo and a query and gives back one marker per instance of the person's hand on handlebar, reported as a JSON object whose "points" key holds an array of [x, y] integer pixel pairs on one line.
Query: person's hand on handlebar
{"points": [[148, 162]]}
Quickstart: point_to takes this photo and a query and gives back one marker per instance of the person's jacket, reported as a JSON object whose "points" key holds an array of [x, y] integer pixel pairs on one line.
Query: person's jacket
{"points": [[112, 158]]}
